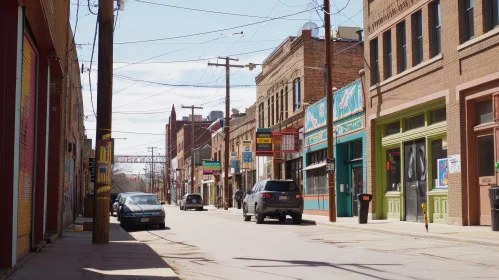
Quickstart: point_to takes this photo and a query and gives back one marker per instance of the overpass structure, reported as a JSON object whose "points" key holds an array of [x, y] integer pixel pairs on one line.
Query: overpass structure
{"points": [[139, 159]]}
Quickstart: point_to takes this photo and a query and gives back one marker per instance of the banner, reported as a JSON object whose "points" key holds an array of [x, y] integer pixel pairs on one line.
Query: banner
{"points": [[263, 141]]}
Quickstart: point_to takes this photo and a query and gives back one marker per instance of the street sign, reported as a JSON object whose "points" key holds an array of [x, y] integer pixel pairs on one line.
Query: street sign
{"points": [[247, 154], [209, 167], [91, 169], [330, 166]]}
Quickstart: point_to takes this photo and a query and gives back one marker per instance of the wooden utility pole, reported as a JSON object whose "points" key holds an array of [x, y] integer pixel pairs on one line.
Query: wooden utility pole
{"points": [[152, 168], [192, 145], [330, 105], [227, 66], [100, 233]]}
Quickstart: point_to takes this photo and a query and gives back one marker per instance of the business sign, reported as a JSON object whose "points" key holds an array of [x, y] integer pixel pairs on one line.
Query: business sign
{"points": [[263, 141], [91, 169], [247, 154], [347, 101], [211, 167]]}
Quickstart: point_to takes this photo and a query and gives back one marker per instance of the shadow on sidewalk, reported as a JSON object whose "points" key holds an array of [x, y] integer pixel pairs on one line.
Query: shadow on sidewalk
{"points": [[73, 256], [371, 270]]}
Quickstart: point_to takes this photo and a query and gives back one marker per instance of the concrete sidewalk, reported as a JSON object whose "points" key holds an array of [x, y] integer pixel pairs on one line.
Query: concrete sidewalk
{"points": [[476, 235], [73, 256]]}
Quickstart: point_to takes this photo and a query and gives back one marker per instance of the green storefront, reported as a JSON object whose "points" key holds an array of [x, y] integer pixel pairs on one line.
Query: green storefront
{"points": [[411, 163]]}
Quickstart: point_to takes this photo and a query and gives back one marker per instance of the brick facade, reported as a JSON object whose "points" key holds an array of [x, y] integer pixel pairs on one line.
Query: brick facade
{"points": [[464, 71]]}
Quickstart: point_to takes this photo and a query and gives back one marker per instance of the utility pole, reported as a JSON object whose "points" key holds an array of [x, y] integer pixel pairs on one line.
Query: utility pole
{"points": [[227, 66], [192, 145], [152, 167], [330, 105], [100, 233]]}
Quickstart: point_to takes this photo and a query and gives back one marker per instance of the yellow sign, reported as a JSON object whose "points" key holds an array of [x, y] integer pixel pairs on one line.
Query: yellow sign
{"points": [[264, 140]]}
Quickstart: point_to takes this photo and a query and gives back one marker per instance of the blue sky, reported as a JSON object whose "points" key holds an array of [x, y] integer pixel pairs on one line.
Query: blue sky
{"points": [[141, 109]]}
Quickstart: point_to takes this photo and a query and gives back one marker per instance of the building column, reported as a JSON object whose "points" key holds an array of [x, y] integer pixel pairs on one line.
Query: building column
{"points": [[11, 27], [55, 156], [40, 193]]}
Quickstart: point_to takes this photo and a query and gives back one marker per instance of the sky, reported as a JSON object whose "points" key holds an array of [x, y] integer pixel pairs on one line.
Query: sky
{"points": [[161, 54]]}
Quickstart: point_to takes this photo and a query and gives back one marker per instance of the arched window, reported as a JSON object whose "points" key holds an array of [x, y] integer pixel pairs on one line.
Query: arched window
{"points": [[296, 94]]}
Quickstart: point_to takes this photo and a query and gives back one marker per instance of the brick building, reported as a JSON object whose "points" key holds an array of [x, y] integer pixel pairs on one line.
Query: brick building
{"points": [[433, 77], [292, 78], [171, 148], [42, 125], [242, 127]]}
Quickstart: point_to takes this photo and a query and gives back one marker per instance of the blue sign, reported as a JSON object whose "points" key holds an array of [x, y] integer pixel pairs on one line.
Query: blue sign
{"points": [[247, 157]]}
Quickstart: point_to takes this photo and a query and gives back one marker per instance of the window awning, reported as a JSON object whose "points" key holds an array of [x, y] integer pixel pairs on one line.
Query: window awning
{"points": [[314, 166]]}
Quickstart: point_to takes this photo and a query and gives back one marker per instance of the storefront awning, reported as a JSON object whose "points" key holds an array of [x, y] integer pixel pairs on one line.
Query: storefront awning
{"points": [[314, 166]]}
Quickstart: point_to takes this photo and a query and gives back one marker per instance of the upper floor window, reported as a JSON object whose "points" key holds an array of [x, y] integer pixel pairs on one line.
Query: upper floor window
{"points": [[468, 19], [286, 100], [261, 115], [268, 112], [296, 94], [272, 110], [436, 28], [492, 13], [387, 54], [401, 47], [374, 61], [417, 37]]}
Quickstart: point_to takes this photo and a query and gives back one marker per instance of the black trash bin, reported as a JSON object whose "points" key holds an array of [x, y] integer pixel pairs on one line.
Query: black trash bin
{"points": [[494, 207], [364, 199]]}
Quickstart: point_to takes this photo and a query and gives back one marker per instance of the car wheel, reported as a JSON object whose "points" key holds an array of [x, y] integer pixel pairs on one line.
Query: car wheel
{"points": [[282, 218], [258, 217], [162, 225], [245, 212], [297, 219]]}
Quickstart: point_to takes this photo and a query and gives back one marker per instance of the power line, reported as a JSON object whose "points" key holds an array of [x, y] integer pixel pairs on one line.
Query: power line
{"points": [[91, 61], [177, 85], [195, 43], [210, 11], [212, 31]]}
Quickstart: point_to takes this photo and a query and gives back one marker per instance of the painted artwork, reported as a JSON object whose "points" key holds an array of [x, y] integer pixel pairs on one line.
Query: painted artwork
{"points": [[442, 173], [347, 100], [316, 137], [351, 125], [316, 115]]}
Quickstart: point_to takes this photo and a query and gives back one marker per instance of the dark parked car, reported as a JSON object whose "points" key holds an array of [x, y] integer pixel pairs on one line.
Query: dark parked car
{"points": [[191, 201], [121, 202], [142, 209], [274, 199]]}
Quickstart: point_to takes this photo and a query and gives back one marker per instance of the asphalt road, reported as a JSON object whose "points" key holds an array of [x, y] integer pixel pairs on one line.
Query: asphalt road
{"points": [[215, 245]]}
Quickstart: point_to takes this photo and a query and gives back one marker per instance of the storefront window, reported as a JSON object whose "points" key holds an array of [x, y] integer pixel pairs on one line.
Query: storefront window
{"points": [[393, 169], [438, 115], [414, 122], [356, 150], [393, 128], [316, 157], [486, 156], [439, 165], [484, 112]]}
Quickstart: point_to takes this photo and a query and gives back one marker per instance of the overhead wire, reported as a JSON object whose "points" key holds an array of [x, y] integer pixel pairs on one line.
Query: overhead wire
{"points": [[90, 68]]}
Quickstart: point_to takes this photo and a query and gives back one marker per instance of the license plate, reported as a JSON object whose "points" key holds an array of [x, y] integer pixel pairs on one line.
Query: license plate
{"points": [[144, 220], [194, 201], [283, 198]]}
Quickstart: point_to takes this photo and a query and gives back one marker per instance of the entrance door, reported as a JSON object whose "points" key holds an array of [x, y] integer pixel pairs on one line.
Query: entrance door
{"points": [[486, 174], [415, 180], [357, 188]]}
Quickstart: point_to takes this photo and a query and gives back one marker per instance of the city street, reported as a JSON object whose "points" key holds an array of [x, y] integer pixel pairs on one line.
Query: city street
{"points": [[220, 245]]}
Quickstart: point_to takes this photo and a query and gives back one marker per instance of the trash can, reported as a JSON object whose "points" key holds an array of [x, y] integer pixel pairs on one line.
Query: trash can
{"points": [[494, 207], [364, 199]]}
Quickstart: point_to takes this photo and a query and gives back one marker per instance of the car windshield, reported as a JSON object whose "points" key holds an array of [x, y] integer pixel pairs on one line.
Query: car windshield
{"points": [[142, 200], [284, 186]]}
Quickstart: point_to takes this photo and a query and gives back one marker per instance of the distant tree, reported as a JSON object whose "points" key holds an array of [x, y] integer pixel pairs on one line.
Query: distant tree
{"points": [[121, 182]]}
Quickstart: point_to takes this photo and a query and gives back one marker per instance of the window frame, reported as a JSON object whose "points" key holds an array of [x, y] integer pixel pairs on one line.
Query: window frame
{"points": [[492, 14], [401, 46], [417, 38], [387, 54], [436, 36], [374, 53], [296, 94], [467, 7]]}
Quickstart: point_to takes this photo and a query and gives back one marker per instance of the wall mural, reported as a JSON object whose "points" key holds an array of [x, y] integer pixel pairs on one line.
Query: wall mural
{"points": [[347, 101], [348, 126], [316, 115], [316, 137]]}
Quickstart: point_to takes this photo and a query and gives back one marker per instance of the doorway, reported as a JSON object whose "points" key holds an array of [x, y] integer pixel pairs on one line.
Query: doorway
{"points": [[486, 174], [414, 179], [357, 188]]}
